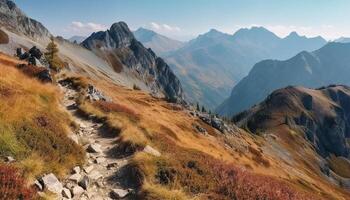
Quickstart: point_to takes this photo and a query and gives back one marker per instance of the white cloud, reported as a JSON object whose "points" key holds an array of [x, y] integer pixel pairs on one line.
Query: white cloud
{"points": [[163, 28], [80, 28]]}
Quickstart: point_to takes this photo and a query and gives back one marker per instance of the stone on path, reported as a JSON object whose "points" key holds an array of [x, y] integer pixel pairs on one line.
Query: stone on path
{"points": [[52, 184], [77, 191], [66, 193], [75, 178], [94, 148], [88, 169], [119, 193], [76, 170], [84, 183]]}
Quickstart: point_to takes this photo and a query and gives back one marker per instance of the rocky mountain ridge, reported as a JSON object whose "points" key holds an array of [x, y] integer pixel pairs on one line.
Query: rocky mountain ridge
{"points": [[12, 18], [321, 116], [119, 46]]}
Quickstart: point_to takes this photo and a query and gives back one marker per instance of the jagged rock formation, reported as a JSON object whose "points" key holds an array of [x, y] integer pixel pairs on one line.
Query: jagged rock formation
{"points": [[120, 48], [328, 65], [13, 19]]}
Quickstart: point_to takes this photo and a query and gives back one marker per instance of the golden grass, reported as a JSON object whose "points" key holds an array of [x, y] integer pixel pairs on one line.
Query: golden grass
{"points": [[32, 127]]}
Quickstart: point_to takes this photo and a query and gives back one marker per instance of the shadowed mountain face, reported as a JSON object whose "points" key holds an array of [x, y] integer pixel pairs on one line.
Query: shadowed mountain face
{"points": [[210, 65], [328, 65], [321, 116], [13, 19], [158, 43], [120, 48]]}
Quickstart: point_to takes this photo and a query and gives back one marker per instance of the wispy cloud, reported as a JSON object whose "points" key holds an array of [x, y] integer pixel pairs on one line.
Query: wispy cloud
{"points": [[80, 28], [164, 27]]}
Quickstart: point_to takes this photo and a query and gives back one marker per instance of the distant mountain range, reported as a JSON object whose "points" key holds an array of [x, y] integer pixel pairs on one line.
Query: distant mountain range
{"points": [[160, 44], [77, 39], [343, 40], [210, 65], [328, 65]]}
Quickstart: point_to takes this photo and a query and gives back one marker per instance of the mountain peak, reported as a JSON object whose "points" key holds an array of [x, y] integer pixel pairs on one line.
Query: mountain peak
{"points": [[213, 33], [255, 33], [293, 34]]}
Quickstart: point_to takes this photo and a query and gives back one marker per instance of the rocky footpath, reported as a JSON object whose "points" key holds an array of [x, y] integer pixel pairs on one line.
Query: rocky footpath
{"points": [[102, 176]]}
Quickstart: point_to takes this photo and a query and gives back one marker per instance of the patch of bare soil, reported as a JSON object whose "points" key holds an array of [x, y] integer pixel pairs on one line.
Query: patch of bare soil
{"points": [[4, 38]]}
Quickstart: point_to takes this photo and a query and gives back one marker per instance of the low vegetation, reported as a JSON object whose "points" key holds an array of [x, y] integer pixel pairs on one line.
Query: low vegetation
{"points": [[33, 129], [12, 184]]}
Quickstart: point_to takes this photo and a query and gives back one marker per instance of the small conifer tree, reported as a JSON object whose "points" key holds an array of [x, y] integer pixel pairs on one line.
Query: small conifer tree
{"points": [[52, 56]]}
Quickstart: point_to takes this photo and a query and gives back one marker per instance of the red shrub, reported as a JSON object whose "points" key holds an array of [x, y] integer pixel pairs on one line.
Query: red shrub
{"points": [[12, 185], [237, 183]]}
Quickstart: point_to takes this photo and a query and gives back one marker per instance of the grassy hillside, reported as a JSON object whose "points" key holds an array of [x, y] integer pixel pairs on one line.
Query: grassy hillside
{"points": [[33, 128], [193, 165]]}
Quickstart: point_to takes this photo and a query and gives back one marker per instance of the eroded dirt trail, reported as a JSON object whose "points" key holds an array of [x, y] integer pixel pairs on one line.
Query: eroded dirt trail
{"points": [[104, 167]]}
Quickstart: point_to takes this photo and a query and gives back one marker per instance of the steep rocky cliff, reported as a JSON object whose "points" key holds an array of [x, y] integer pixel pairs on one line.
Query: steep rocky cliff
{"points": [[13, 19], [120, 48]]}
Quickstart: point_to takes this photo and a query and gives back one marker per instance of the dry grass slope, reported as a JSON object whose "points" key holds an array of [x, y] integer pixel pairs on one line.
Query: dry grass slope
{"points": [[32, 127]]}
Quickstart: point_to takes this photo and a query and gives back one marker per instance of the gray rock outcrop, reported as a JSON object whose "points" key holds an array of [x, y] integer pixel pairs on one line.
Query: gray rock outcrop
{"points": [[120, 48], [12, 18]]}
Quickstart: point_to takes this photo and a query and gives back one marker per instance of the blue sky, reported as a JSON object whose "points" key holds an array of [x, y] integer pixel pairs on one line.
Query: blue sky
{"points": [[184, 19]]}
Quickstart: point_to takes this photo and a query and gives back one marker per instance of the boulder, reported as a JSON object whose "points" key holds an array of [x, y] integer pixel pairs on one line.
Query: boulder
{"points": [[66, 193], [119, 193], [94, 95], [77, 191], [44, 76], [34, 61], [38, 185], [52, 184], [19, 52], [100, 160], [24, 56], [74, 137], [94, 148], [95, 175], [9, 159], [150, 150], [84, 183], [88, 169], [76, 170], [34, 51], [75, 178]]}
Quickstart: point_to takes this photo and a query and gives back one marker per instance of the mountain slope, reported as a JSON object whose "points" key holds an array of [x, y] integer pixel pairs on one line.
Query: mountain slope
{"points": [[119, 46], [320, 116], [12, 18], [158, 43], [210, 65], [328, 65]]}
